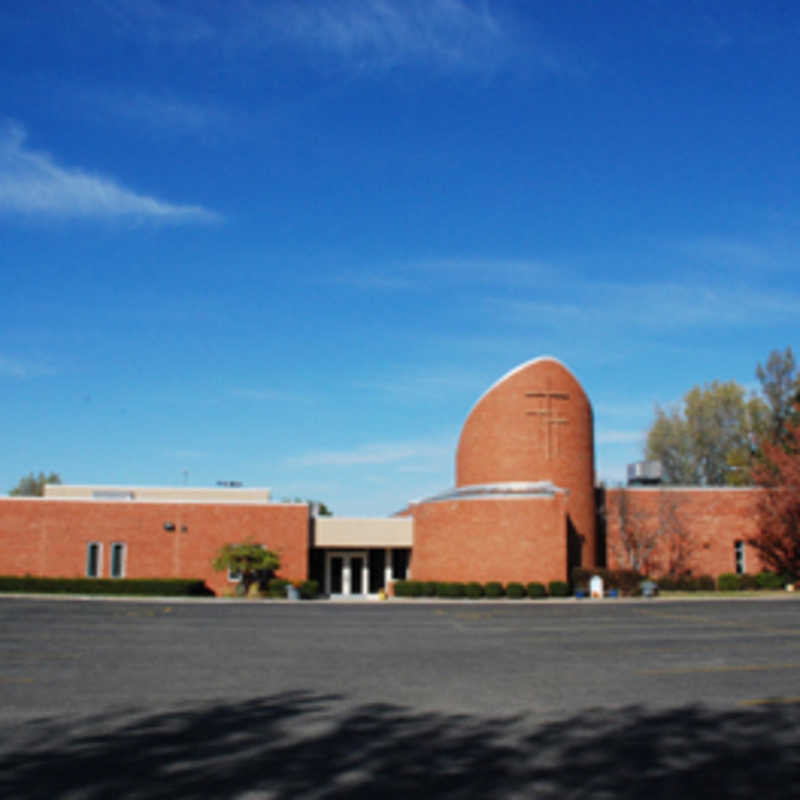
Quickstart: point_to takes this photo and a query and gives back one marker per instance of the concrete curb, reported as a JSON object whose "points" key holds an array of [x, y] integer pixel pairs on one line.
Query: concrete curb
{"points": [[394, 601]]}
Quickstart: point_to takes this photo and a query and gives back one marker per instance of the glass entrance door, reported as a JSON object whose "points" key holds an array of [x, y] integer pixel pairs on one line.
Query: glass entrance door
{"points": [[335, 572], [346, 573], [356, 570]]}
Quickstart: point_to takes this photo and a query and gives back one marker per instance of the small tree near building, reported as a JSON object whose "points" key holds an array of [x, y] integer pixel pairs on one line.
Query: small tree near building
{"points": [[637, 539], [250, 561], [652, 540], [778, 509]]}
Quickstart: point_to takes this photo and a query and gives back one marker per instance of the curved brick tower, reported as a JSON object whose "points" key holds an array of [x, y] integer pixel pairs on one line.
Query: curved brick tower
{"points": [[536, 424]]}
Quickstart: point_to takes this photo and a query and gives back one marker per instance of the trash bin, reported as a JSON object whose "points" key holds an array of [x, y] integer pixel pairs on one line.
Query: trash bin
{"points": [[649, 588], [292, 592], [596, 586]]}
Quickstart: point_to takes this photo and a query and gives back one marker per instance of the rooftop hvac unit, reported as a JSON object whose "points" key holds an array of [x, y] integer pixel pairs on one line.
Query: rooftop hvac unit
{"points": [[644, 472]]}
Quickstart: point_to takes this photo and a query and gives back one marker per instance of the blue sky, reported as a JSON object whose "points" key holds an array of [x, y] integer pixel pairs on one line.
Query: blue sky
{"points": [[291, 243]]}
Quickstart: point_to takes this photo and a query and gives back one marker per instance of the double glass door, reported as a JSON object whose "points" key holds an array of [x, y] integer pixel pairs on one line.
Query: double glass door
{"points": [[346, 573]]}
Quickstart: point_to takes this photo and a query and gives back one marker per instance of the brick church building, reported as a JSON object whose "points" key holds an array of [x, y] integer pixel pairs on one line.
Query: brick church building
{"points": [[524, 507]]}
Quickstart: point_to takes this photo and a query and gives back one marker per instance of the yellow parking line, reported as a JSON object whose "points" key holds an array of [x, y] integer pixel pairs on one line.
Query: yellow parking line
{"points": [[769, 701], [724, 668]]}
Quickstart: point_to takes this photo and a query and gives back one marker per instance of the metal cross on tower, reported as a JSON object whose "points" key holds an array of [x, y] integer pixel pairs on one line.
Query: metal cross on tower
{"points": [[550, 420]]}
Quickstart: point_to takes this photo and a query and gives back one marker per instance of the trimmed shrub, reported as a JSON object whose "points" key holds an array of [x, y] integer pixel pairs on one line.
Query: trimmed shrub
{"points": [[686, 583], [558, 589], [706, 583], [536, 590], [625, 580], [473, 590], [308, 589], [276, 588], [515, 590], [769, 580], [494, 589], [429, 589], [729, 582], [415, 589], [154, 587], [749, 581]]}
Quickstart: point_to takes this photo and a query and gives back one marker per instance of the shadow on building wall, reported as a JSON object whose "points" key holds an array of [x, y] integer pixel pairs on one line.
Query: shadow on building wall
{"points": [[575, 545], [309, 745]]}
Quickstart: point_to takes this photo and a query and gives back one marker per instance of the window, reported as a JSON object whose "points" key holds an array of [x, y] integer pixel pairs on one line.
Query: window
{"points": [[117, 560], [400, 564], [111, 494], [94, 560], [738, 550]]}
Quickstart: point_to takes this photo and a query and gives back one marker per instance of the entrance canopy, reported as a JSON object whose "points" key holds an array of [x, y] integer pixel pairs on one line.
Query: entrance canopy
{"points": [[379, 532]]}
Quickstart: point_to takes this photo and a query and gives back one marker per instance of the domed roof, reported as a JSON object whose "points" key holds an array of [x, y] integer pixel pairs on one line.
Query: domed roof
{"points": [[533, 424]]}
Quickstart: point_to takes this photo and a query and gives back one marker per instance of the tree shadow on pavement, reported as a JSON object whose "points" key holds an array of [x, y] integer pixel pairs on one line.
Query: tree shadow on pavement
{"points": [[304, 745]]}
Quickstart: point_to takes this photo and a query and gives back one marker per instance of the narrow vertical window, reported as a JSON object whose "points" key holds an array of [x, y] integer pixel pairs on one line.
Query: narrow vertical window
{"points": [[117, 560], [93, 560], [738, 549]]}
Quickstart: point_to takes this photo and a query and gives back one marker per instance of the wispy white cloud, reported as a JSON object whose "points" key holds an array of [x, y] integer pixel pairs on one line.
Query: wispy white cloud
{"points": [[619, 437], [363, 34], [376, 453], [259, 394], [657, 306], [374, 281], [20, 369], [162, 111], [187, 454], [385, 33], [432, 274], [160, 22], [33, 183], [728, 250]]}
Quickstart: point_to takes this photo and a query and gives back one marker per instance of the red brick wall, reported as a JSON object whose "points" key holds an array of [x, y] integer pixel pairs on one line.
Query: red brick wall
{"points": [[713, 519], [519, 539], [502, 441], [50, 537]]}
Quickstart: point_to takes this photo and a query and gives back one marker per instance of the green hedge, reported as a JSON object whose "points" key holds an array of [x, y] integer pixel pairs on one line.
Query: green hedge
{"points": [[687, 583], [729, 582], [154, 587], [455, 589], [408, 588], [276, 588], [308, 589], [558, 589], [732, 582], [536, 590], [769, 580]]}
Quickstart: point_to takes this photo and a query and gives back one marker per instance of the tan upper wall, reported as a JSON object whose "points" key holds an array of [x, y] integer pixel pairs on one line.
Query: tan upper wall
{"points": [[157, 494], [350, 532]]}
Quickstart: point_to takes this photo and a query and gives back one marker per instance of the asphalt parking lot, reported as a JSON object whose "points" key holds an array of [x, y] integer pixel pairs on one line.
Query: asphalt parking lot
{"points": [[262, 700]]}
